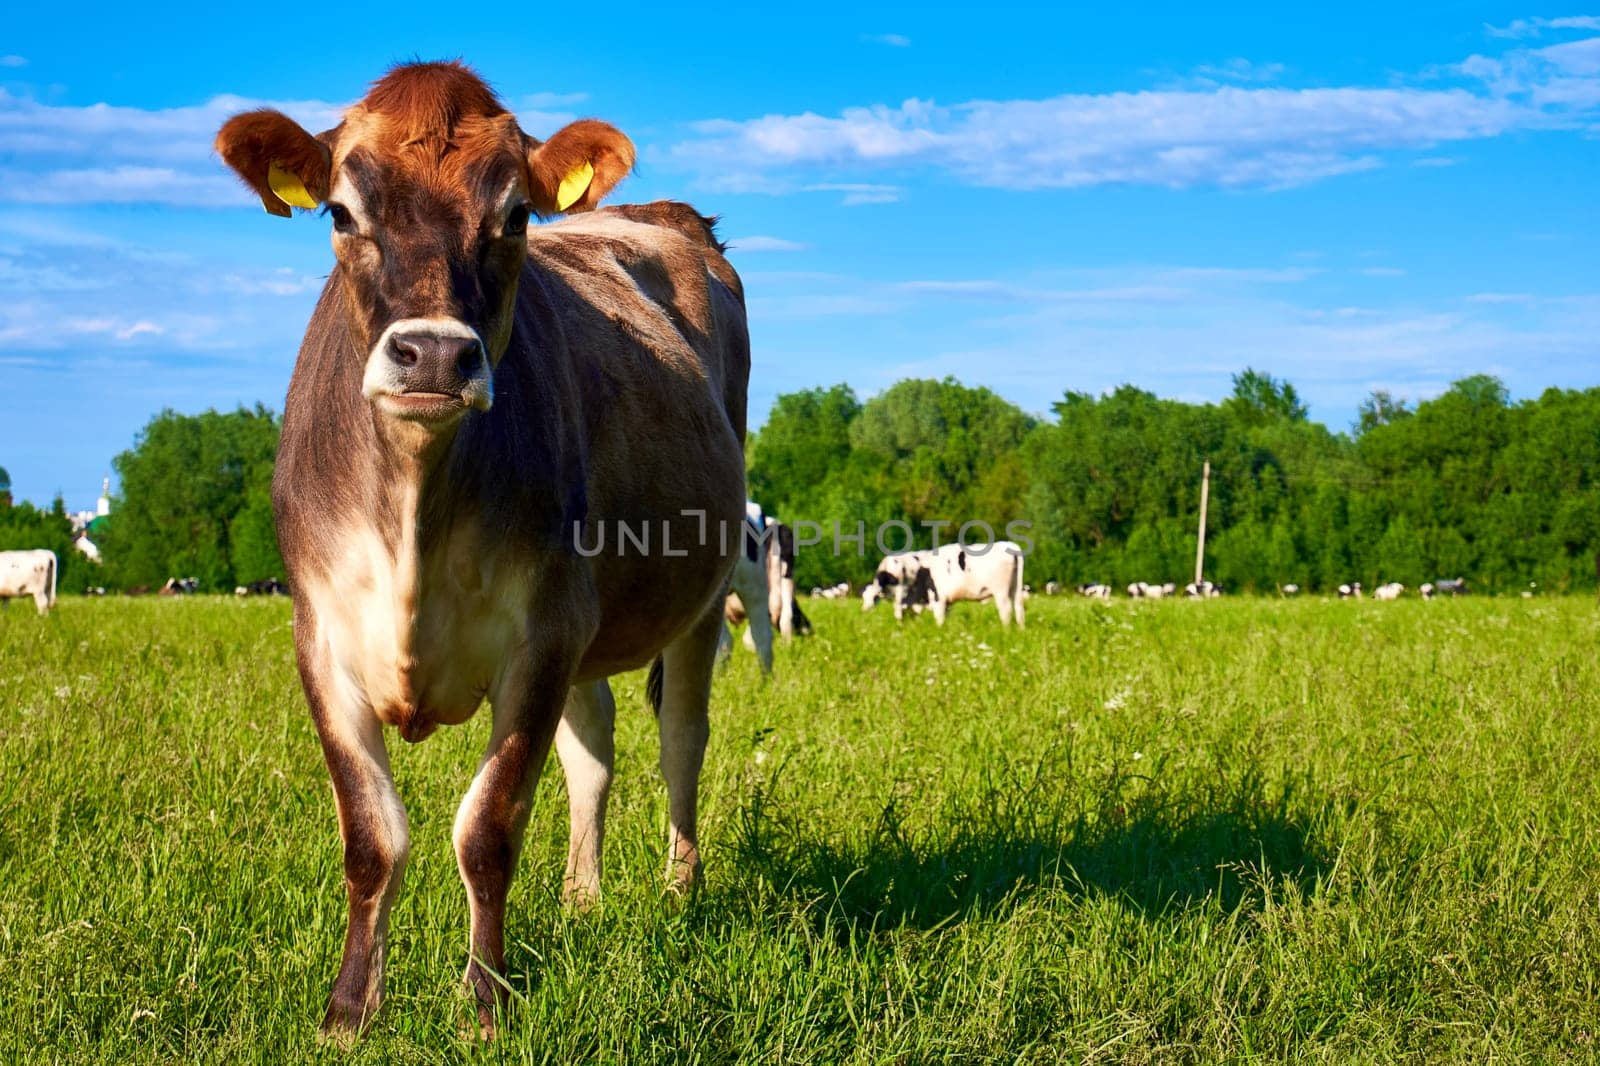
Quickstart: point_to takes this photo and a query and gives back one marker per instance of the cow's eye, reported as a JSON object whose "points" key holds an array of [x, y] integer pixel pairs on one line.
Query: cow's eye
{"points": [[342, 222], [517, 221]]}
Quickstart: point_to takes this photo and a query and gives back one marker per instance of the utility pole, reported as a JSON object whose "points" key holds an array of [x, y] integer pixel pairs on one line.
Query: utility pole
{"points": [[1200, 549]]}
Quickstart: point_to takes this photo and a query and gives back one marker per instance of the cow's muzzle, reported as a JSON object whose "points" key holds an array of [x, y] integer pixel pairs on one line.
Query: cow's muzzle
{"points": [[429, 370]]}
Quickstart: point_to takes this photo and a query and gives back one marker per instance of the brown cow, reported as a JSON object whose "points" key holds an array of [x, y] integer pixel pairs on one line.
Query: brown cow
{"points": [[475, 406]]}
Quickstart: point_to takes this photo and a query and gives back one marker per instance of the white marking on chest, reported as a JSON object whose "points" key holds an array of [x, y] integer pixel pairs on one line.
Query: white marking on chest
{"points": [[418, 641]]}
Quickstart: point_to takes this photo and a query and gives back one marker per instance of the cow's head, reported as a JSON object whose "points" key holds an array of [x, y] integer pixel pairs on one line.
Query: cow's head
{"points": [[429, 184]]}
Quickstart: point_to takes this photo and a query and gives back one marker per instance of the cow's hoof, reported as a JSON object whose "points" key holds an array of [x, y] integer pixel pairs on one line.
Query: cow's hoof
{"points": [[683, 881], [345, 1020], [481, 1033], [580, 898], [489, 995]]}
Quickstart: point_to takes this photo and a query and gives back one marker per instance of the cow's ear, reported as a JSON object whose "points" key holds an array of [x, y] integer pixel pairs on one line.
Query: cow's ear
{"points": [[577, 167], [285, 165]]}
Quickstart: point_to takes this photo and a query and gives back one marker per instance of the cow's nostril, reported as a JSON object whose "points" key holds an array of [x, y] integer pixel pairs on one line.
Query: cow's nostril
{"points": [[404, 350], [467, 362]]}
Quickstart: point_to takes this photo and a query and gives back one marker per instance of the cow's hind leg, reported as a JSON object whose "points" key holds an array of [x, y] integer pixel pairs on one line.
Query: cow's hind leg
{"points": [[1003, 604], [681, 691], [585, 746], [489, 825]]}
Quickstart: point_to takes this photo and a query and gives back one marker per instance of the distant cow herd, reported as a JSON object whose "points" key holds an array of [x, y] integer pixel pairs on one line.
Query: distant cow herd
{"points": [[912, 581]]}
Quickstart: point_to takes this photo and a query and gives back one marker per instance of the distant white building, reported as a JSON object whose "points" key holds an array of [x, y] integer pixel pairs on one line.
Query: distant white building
{"points": [[102, 507], [83, 522]]}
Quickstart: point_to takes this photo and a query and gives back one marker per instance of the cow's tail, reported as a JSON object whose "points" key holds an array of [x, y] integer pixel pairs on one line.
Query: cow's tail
{"points": [[802, 624], [653, 683], [55, 565], [1016, 589]]}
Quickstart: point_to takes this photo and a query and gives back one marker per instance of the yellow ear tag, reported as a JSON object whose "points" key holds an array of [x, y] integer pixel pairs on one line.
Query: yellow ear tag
{"points": [[574, 185], [288, 188]]}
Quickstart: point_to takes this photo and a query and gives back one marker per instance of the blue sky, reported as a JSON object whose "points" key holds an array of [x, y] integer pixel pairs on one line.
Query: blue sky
{"points": [[1368, 197]]}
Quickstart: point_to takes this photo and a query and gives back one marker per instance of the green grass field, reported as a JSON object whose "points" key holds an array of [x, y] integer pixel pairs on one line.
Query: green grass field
{"points": [[1140, 833]]}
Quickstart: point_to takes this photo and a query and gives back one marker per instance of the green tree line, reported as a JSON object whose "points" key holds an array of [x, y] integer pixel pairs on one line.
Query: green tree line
{"points": [[194, 500], [1469, 484]]}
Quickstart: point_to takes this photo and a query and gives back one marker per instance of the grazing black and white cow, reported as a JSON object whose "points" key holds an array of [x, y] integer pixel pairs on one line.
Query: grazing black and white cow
{"points": [[1143, 590], [29, 573], [781, 603], [1451, 586], [269, 586], [777, 554], [1052, 588], [1095, 592], [1391, 590], [1351, 591], [1204, 590], [1425, 590], [749, 599], [483, 413], [890, 579], [1289, 590], [769, 544], [953, 573], [180, 586], [832, 592]]}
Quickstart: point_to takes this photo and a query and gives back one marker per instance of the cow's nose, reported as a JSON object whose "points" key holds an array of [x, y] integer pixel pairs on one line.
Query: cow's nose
{"points": [[434, 356]]}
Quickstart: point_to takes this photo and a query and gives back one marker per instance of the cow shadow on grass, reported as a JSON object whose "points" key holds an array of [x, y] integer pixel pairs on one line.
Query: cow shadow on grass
{"points": [[1156, 857]]}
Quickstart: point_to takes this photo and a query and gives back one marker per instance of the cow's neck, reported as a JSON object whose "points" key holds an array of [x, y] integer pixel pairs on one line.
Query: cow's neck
{"points": [[412, 463]]}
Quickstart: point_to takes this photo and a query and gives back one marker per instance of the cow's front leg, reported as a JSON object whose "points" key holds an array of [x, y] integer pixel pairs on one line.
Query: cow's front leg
{"points": [[584, 743], [372, 823], [489, 825]]}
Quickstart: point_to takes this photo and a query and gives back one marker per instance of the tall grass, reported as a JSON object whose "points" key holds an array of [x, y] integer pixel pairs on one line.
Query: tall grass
{"points": [[1164, 832]]}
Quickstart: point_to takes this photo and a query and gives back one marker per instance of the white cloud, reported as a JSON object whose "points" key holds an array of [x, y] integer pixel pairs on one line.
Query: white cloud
{"points": [[78, 297], [1383, 272], [137, 329], [103, 132], [112, 154], [123, 184], [1237, 71], [1231, 137], [759, 243], [857, 193], [1557, 81], [284, 281], [1535, 26], [893, 40], [13, 61], [1237, 133]]}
